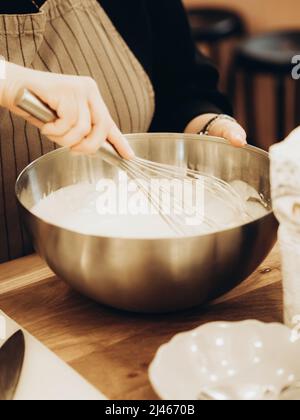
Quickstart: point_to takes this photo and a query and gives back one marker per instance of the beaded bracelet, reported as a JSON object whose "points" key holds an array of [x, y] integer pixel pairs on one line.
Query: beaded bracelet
{"points": [[211, 122]]}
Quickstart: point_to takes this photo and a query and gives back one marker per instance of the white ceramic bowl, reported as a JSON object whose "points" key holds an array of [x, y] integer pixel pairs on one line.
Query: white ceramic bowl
{"points": [[245, 356]]}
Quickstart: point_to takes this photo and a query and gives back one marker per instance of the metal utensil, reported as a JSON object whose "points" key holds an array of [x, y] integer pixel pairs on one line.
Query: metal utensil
{"points": [[11, 363], [32, 105], [142, 171]]}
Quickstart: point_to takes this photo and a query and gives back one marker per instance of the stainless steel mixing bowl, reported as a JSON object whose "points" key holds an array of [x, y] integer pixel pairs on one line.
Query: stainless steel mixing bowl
{"points": [[151, 275]]}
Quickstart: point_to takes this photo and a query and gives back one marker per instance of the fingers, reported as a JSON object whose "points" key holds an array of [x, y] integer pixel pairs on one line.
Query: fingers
{"points": [[69, 116], [100, 120], [119, 141], [100, 116], [92, 143], [80, 131], [104, 129], [27, 117], [230, 131], [99, 135], [84, 122]]}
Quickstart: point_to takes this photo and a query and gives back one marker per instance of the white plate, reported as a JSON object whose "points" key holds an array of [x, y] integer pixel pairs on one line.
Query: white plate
{"points": [[245, 356]]}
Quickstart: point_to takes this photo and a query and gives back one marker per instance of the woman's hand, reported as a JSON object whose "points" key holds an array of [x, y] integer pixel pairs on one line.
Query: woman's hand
{"points": [[229, 130], [83, 123]]}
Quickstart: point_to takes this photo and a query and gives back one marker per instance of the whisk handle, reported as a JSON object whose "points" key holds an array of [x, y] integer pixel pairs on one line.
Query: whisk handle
{"points": [[31, 104]]}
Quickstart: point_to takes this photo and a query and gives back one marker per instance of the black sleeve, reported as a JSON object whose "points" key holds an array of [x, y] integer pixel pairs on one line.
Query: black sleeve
{"points": [[22, 7], [186, 85]]}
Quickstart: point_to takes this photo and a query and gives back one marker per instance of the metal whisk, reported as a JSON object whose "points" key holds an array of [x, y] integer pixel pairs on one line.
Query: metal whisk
{"points": [[142, 171]]}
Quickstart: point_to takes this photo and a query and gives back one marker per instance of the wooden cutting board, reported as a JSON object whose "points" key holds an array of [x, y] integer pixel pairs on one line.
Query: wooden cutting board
{"points": [[44, 376], [112, 349]]}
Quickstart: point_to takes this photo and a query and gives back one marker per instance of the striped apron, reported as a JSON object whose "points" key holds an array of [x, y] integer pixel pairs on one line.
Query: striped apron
{"points": [[70, 37]]}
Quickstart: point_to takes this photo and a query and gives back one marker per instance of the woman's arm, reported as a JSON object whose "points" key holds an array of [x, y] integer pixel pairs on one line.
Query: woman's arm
{"points": [[187, 93], [83, 123]]}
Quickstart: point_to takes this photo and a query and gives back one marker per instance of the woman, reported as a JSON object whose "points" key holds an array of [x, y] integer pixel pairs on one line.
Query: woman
{"points": [[138, 54]]}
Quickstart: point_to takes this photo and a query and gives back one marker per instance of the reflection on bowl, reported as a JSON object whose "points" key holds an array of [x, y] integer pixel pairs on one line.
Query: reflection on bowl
{"points": [[151, 275], [244, 358]]}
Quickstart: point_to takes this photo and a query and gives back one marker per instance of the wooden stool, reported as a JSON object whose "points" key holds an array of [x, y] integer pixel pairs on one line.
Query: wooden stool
{"points": [[213, 26], [269, 54]]}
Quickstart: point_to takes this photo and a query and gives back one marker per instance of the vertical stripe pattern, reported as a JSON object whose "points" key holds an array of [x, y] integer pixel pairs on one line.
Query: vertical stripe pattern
{"points": [[70, 37]]}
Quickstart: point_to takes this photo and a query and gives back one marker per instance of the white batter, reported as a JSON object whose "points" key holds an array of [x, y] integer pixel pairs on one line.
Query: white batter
{"points": [[74, 208]]}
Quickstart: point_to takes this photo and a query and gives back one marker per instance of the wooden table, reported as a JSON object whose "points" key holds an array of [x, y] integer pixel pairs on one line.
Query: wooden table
{"points": [[112, 349]]}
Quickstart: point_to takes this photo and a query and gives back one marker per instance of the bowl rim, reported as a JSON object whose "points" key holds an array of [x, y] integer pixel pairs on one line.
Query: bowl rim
{"points": [[137, 136]]}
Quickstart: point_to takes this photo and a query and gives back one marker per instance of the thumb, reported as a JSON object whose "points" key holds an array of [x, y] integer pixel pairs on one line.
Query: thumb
{"points": [[230, 131]]}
